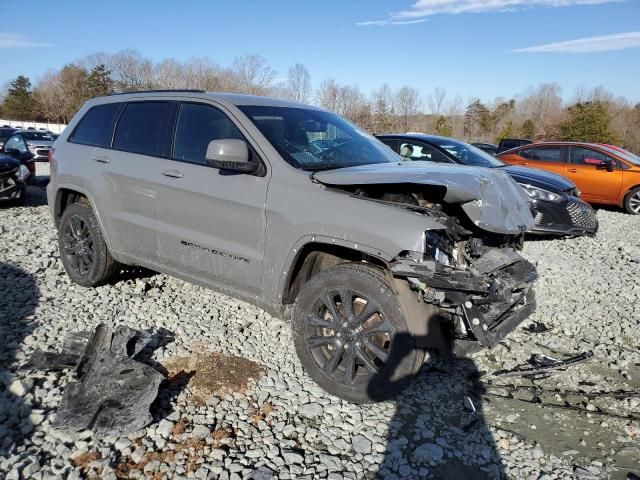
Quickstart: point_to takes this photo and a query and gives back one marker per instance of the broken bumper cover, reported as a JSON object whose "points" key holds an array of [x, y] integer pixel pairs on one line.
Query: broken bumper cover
{"points": [[486, 301]]}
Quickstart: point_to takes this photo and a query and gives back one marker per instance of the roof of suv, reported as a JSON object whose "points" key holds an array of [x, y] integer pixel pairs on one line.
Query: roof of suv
{"points": [[233, 98]]}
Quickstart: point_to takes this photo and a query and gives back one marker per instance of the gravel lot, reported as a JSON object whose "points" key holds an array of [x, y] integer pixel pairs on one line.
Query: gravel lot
{"points": [[280, 425]]}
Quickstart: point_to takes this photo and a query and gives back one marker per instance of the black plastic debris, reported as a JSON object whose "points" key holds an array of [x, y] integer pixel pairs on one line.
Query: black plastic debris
{"points": [[540, 364], [113, 392], [537, 327]]}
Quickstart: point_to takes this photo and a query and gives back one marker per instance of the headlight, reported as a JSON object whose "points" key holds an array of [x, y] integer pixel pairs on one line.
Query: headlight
{"points": [[23, 173], [536, 193]]}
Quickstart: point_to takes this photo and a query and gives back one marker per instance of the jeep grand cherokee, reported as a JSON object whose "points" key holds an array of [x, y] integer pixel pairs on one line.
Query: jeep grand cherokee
{"points": [[298, 211]]}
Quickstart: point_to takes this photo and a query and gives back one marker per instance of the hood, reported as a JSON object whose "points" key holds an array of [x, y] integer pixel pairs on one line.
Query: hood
{"points": [[539, 178], [8, 163], [491, 198]]}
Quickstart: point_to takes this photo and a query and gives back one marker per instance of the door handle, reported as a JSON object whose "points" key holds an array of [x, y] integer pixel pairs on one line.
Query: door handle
{"points": [[172, 173], [573, 170], [101, 159]]}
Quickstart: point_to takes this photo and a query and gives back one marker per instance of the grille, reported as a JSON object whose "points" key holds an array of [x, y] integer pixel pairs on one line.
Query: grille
{"points": [[42, 152], [582, 215]]}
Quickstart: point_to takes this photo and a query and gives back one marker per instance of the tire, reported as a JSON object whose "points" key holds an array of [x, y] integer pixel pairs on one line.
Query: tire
{"points": [[367, 359], [83, 251], [632, 202]]}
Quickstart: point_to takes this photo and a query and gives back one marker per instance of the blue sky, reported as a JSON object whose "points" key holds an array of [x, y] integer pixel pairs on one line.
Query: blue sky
{"points": [[465, 46]]}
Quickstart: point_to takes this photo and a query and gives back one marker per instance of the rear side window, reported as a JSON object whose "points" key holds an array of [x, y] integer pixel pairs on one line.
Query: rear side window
{"points": [[543, 154], [96, 127], [141, 128], [198, 125]]}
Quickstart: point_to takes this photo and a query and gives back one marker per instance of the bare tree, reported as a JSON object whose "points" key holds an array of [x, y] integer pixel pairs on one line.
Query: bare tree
{"points": [[407, 101], [255, 76], [382, 109], [328, 95], [435, 100], [298, 86]]}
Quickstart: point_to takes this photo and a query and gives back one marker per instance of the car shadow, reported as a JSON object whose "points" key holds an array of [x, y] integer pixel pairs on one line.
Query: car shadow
{"points": [[18, 301], [438, 430]]}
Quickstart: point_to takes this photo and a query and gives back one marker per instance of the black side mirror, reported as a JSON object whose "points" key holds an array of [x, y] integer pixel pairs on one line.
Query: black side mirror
{"points": [[606, 164], [230, 154]]}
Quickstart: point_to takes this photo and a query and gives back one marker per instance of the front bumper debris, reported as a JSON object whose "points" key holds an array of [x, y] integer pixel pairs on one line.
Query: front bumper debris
{"points": [[571, 217], [485, 302]]}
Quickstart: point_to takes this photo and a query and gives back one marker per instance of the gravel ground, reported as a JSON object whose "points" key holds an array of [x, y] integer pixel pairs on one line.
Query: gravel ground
{"points": [[276, 423]]}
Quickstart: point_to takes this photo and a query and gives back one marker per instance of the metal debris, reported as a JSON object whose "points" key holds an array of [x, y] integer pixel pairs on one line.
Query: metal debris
{"points": [[113, 392], [537, 327], [542, 364]]}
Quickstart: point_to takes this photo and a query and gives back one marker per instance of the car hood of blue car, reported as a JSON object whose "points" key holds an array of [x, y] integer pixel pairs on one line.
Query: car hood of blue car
{"points": [[539, 178]]}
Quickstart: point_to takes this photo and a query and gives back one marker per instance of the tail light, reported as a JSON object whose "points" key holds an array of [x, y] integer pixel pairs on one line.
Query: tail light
{"points": [[50, 155]]}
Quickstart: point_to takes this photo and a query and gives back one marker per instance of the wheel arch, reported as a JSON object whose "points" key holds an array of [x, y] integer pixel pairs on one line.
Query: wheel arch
{"points": [[318, 255], [626, 194]]}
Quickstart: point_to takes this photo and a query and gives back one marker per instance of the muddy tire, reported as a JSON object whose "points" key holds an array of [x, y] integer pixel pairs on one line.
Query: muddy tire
{"points": [[632, 202], [83, 251], [351, 336]]}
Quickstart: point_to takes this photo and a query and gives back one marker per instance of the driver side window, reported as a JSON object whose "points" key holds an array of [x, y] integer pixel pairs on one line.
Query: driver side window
{"points": [[421, 152], [586, 156]]}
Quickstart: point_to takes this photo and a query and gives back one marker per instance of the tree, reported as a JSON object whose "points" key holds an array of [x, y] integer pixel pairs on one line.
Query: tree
{"points": [[19, 103], [477, 120], [443, 127], [508, 131], [98, 82], [435, 100], [588, 122], [406, 105], [254, 75], [298, 84], [382, 109], [528, 129]]}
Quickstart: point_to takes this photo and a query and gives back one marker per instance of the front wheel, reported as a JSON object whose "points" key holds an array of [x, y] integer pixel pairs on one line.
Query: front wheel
{"points": [[83, 251], [632, 202], [351, 336]]}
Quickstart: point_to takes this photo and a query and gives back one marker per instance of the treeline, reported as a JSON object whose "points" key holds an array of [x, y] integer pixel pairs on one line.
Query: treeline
{"points": [[538, 113]]}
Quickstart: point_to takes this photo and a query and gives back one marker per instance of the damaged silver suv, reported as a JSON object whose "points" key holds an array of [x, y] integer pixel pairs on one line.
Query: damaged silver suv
{"points": [[296, 210]]}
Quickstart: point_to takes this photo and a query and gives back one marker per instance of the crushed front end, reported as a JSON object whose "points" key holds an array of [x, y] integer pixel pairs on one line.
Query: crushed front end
{"points": [[483, 297]]}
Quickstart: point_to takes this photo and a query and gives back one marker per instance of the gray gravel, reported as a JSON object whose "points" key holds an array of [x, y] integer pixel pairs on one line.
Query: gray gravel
{"points": [[282, 425]]}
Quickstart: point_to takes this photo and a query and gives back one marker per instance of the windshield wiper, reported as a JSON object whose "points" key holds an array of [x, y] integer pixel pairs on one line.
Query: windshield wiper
{"points": [[326, 166]]}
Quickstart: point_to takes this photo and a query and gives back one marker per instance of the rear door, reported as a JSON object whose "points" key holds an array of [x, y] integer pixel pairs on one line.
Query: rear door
{"points": [[132, 168], [211, 222], [595, 182]]}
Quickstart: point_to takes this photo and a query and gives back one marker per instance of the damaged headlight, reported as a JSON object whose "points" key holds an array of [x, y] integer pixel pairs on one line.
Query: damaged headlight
{"points": [[23, 173], [437, 247], [536, 193]]}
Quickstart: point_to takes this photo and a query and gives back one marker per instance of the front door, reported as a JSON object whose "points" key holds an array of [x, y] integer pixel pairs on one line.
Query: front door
{"points": [[596, 183], [211, 222]]}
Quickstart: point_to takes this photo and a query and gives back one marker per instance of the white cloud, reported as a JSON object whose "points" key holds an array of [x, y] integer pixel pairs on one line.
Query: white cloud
{"points": [[16, 40], [425, 8], [389, 22], [604, 43]]}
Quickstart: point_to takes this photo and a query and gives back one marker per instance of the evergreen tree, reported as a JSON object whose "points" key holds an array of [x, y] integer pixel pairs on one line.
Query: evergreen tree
{"points": [[19, 103], [98, 82], [443, 127], [528, 129], [508, 131], [588, 122]]}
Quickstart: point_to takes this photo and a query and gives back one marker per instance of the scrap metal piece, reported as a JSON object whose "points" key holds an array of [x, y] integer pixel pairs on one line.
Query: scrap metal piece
{"points": [[538, 327], [544, 365], [113, 392]]}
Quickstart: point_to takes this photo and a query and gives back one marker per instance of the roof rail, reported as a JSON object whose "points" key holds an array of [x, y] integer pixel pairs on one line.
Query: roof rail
{"points": [[187, 90]]}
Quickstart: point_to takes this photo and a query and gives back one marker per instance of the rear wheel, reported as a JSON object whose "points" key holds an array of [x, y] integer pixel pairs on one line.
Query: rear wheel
{"points": [[632, 202], [351, 336], [83, 251]]}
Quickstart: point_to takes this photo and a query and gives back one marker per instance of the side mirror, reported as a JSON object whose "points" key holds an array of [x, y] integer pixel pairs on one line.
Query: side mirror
{"points": [[230, 154], [605, 165]]}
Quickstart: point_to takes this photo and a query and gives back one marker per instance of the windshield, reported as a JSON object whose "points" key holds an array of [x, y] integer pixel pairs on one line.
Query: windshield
{"points": [[622, 153], [317, 140], [467, 154], [37, 136]]}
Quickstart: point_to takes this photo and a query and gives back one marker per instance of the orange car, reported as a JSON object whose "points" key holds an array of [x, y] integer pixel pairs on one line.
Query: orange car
{"points": [[603, 173]]}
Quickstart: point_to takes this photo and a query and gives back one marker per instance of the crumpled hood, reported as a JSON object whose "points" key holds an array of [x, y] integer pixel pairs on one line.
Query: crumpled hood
{"points": [[491, 199]]}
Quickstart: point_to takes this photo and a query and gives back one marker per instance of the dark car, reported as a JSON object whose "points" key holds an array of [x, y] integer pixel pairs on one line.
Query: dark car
{"points": [[509, 143], [490, 148], [555, 202], [13, 176], [37, 142], [17, 147], [6, 133]]}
